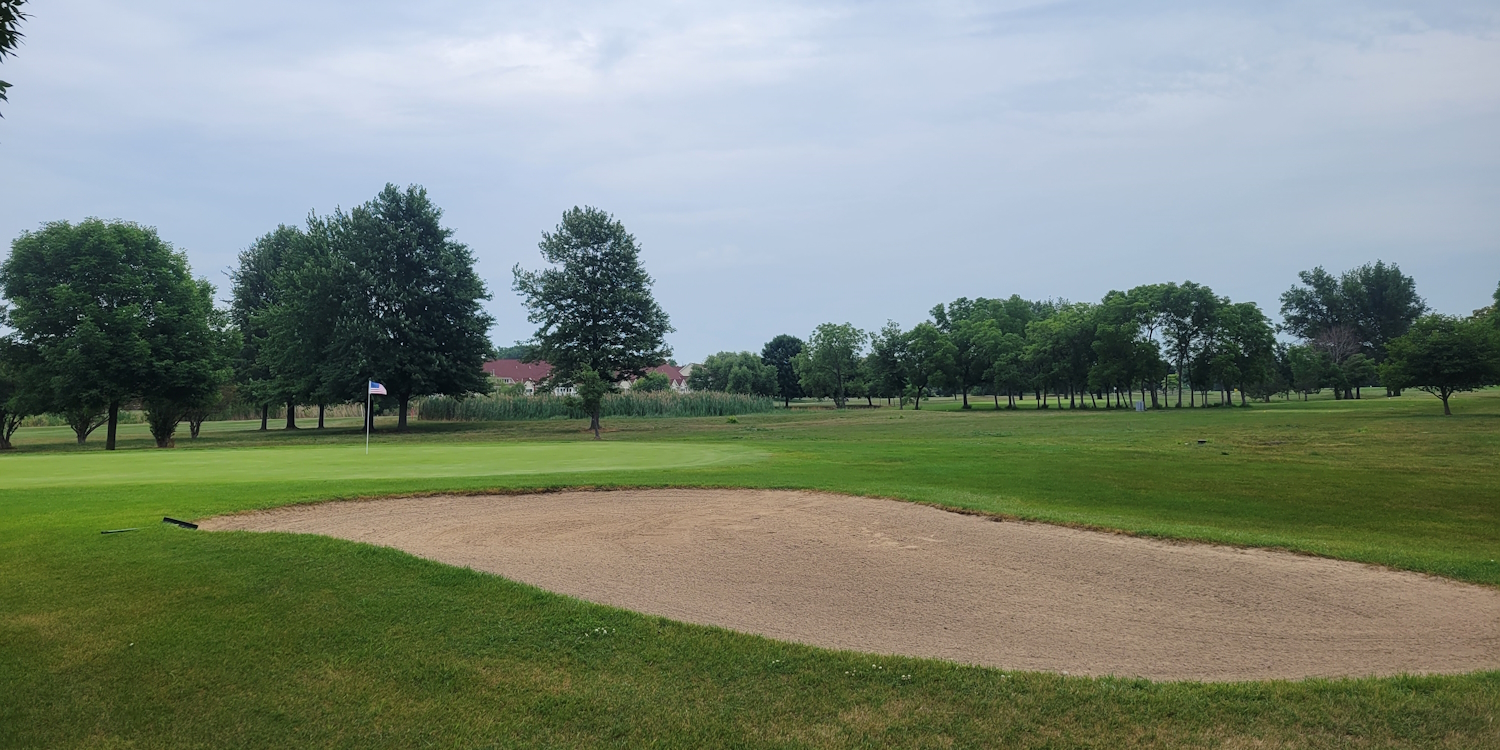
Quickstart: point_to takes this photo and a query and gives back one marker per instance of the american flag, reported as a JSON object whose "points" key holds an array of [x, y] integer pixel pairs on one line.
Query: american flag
{"points": [[377, 389]]}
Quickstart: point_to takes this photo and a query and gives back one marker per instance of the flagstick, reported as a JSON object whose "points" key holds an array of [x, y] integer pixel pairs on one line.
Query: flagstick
{"points": [[368, 399]]}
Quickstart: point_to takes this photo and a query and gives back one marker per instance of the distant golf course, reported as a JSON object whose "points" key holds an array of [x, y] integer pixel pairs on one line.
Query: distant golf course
{"points": [[168, 637]]}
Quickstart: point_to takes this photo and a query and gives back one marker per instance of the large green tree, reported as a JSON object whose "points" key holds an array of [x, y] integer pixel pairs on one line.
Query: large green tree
{"points": [[411, 314], [100, 304], [258, 285], [972, 332], [779, 353], [190, 355], [929, 360], [18, 397], [1357, 312], [1444, 355], [1186, 313], [594, 309], [885, 365], [298, 329], [830, 364]]}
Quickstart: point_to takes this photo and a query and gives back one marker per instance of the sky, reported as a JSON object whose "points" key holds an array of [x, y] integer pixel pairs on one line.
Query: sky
{"points": [[783, 165]]}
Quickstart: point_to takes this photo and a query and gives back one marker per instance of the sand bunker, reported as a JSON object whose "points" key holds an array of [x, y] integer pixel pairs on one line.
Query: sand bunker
{"points": [[897, 578]]}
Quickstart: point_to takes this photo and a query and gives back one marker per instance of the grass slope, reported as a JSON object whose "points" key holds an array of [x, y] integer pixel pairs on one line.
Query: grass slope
{"points": [[165, 637]]}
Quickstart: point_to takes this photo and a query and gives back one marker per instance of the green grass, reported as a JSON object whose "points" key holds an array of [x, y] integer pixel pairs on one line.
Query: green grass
{"points": [[166, 637]]}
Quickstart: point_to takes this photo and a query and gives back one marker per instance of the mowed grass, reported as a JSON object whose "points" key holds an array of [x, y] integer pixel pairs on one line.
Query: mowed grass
{"points": [[167, 637]]}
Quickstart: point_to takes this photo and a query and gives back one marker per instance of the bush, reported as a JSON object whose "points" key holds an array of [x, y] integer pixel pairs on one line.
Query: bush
{"points": [[500, 408]]}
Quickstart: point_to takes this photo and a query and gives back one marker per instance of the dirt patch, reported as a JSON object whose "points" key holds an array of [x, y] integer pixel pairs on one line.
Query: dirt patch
{"points": [[899, 578]]}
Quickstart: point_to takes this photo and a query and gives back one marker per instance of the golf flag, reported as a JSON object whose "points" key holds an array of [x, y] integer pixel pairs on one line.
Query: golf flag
{"points": [[377, 389]]}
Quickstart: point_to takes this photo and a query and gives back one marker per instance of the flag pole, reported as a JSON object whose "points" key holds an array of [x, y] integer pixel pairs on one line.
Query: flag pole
{"points": [[368, 399]]}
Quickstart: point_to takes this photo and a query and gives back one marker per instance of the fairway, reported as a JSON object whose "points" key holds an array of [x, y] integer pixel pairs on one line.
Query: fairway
{"points": [[350, 462]]}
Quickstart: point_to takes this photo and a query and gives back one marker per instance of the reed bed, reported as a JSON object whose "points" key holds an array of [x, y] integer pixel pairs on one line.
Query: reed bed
{"points": [[498, 408]]}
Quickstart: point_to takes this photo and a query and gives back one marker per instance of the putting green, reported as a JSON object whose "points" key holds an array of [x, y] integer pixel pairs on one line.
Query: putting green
{"points": [[340, 462]]}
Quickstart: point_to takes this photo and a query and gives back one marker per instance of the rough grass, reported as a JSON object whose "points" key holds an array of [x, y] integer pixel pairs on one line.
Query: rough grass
{"points": [[166, 637]]}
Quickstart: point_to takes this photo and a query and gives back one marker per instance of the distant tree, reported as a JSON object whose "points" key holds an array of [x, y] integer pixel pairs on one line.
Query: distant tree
{"points": [[1366, 306], [779, 353], [595, 309], [1444, 355], [1247, 354], [519, 351], [830, 363], [98, 305], [411, 312], [296, 352], [1188, 317], [1309, 368], [972, 331], [885, 365], [734, 372], [929, 360], [651, 382], [189, 361], [10, 34], [256, 286]]}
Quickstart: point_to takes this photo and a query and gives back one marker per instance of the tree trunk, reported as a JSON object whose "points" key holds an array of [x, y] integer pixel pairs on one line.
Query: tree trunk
{"points": [[1242, 396], [1179, 384], [321, 407], [265, 415], [401, 419], [594, 422], [291, 414], [966, 397], [1444, 396], [114, 422]]}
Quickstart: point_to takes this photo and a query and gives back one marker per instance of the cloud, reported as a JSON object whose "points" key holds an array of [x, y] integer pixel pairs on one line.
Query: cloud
{"points": [[866, 160]]}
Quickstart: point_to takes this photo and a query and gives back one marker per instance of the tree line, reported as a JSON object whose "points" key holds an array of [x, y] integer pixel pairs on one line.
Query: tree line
{"points": [[1162, 344], [107, 315]]}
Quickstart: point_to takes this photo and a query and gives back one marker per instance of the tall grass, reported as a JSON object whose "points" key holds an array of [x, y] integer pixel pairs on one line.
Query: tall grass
{"points": [[498, 408]]}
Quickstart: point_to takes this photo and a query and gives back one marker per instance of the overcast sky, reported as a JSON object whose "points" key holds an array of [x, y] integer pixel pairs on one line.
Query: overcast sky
{"points": [[783, 165]]}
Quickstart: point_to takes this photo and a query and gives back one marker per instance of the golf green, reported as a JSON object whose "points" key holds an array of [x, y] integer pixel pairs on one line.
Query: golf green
{"points": [[350, 462]]}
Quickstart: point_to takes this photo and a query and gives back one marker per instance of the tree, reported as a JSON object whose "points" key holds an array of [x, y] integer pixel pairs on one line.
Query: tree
{"points": [[734, 372], [256, 287], [830, 363], [10, 34], [651, 382], [1444, 355], [885, 366], [411, 313], [779, 353], [1366, 307], [17, 398], [589, 388], [972, 332], [1186, 315], [1309, 368], [97, 304], [297, 326], [1247, 348], [929, 360], [594, 310]]}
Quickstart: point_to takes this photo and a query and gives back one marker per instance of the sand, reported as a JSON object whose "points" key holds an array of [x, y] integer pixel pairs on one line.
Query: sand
{"points": [[889, 577]]}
